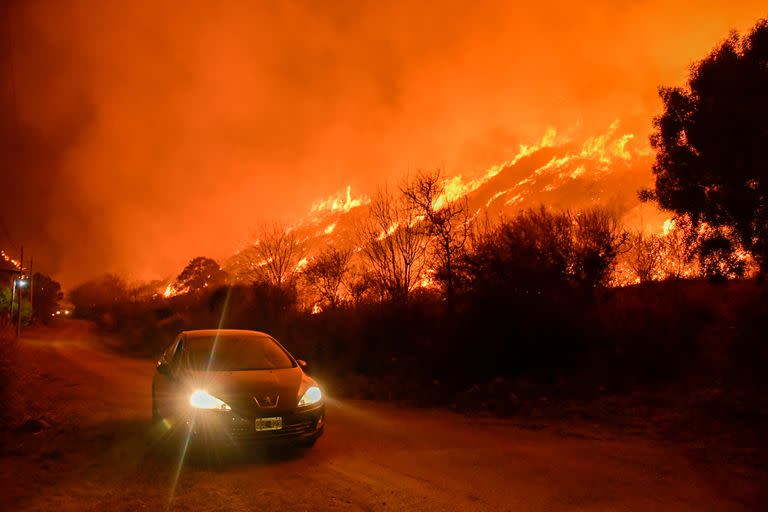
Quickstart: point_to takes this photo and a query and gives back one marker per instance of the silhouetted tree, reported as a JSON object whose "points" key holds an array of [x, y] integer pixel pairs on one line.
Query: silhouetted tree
{"points": [[98, 297], [326, 273], [712, 149], [719, 256], [393, 246], [680, 250], [597, 240], [146, 290], [540, 250], [445, 222], [276, 254], [525, 255], [46, 297], [245, 266], [200, 273], [655, 257], [361, 285], [645, 257]]}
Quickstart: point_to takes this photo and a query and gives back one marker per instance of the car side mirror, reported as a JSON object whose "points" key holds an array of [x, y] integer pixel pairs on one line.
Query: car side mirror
{"points": [[163, 368], [302, 363]]}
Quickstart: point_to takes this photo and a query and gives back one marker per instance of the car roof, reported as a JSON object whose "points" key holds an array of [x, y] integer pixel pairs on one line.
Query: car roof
{"points": [[208, 333]]}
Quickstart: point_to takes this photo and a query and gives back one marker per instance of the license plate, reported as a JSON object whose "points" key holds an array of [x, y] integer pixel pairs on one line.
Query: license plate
{"points": [[263, 424]]}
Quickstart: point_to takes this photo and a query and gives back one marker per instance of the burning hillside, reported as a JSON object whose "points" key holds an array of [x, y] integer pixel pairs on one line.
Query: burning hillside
{"points": [[562, 174], [604, 170]]}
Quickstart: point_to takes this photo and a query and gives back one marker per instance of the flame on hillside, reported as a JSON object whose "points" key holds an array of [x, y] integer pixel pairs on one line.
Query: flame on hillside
{"points": [[340, 203], [454, 188], [602, 153], [10, 260], [170, 291], [303, 262], [507, 186]]}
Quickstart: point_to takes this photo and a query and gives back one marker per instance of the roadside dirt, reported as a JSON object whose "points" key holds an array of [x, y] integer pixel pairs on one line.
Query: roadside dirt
{"points": [[85, 443]]}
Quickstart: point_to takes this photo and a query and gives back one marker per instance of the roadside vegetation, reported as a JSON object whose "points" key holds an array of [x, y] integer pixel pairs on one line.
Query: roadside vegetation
{"points": [[432, 303]]}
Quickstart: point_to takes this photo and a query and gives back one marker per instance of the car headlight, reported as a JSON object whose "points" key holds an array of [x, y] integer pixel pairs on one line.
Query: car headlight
{"points": [[311, 396], [200, 399]]}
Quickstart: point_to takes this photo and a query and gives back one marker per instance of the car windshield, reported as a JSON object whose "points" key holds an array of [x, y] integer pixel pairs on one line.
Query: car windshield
{"points": [[233, 353]]}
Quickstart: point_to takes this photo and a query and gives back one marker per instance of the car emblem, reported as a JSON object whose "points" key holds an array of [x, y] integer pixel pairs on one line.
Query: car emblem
{"points": [[267, 401]]}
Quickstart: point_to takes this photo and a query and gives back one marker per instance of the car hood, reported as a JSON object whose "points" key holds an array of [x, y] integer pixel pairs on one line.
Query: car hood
{"points": [[253, 392]]}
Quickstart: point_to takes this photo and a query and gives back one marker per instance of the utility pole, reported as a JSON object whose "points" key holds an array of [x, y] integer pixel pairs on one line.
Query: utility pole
{"points": [[13, 296], [31, 292], [21, 289]]}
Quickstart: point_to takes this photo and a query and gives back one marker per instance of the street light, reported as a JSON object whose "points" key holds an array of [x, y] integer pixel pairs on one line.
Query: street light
{"points": [[21, 283]]}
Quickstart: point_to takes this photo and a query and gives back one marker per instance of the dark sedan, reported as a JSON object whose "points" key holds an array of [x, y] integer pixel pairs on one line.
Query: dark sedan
{"points": [[233, 386]]}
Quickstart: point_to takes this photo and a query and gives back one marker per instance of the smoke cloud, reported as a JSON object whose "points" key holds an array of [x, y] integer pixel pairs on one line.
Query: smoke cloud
{"points": [[136, 135]]}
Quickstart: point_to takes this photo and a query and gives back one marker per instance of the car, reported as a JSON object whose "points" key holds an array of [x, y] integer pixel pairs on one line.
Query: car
{"points": [[225, 386]]}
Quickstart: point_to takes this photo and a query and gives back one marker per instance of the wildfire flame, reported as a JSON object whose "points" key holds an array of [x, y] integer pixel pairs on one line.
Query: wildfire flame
{"points": [[454, 188], [10, 260], [390, 230], [170, 291], [303, 262], [602, 151], [587, 159], [340, 203]]}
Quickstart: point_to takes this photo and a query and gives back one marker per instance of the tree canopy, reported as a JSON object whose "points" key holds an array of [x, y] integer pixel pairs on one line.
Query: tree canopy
{"points": [[201, 273], [711, 146], [47, 295]]}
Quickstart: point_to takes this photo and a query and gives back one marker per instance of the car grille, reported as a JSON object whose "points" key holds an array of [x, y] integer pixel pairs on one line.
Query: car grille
{"points": [[294, 425]]}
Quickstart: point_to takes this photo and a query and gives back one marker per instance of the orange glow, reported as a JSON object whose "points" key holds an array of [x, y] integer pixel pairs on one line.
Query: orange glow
{"points": [[168, 131]]}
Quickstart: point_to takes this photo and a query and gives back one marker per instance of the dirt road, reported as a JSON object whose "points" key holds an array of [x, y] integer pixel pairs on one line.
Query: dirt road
{"points": [[95, 451]]}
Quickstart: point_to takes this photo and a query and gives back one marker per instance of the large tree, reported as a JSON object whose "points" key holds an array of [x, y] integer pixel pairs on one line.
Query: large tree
{"points": [[47, 294], [446, 224], [200, 273], [393, 246], [99, 296], [326, 274], [278, 252], [711, 146]]}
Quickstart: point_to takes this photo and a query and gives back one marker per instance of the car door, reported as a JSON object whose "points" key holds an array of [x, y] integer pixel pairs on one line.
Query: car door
{"points": [[166, 380]]}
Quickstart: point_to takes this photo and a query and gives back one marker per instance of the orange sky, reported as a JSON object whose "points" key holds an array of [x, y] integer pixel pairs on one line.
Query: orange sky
{"points": [[146, 134]]}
